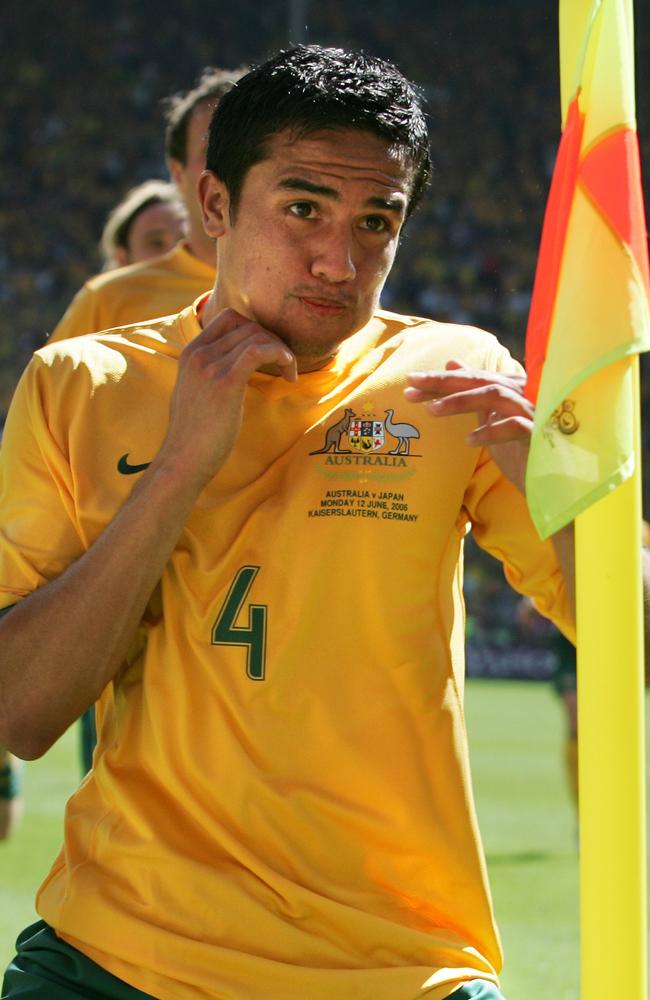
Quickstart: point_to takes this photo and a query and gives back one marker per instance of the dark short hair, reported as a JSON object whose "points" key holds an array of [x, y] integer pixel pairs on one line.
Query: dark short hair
{"points": [[310, 88], [178, 109]]}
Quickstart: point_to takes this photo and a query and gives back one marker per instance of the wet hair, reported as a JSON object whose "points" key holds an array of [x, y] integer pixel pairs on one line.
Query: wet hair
{"points": [[120, 221], [178, 109], [308, 89]]}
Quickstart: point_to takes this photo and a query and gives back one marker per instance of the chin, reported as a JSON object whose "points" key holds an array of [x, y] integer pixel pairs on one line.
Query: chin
{"points": [[313, 348], [317, 340]]}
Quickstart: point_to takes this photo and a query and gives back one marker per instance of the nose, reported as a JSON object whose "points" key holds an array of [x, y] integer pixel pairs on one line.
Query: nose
{"points": [[332, 260]]}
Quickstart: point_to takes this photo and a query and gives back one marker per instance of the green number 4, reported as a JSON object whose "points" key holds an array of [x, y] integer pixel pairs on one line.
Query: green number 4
{"points": [[252, 636]]}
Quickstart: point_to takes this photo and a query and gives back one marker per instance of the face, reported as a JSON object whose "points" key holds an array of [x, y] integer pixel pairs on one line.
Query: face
{"points": [[186, 175], [313, 238], [155, 230]]}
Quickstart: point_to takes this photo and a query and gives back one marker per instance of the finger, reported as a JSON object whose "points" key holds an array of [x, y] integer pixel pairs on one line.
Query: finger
{"points": [[269, 351], [288, 369], [421, 385], [241, 336], [220, 325], [500, 398], [229, 326], [428, 385], [256, 351], [422, 378], [512, 428]]}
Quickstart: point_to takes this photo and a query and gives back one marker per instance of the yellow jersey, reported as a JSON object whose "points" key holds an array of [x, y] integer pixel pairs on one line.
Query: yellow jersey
{"points": [[281, 805], [133, 294]]}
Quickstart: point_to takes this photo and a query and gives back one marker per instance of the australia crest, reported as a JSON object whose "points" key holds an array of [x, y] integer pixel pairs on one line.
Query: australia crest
{"points": [[363, 433]]}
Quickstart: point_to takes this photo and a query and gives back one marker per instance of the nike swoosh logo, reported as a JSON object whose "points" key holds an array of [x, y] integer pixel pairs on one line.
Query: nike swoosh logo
{"points": [[126, 469]]}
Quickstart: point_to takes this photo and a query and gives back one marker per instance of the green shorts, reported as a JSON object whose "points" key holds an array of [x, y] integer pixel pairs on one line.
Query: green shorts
{"points": [[48, 968], [478, 989], [10, 777], [87, 739], [564, 676]]}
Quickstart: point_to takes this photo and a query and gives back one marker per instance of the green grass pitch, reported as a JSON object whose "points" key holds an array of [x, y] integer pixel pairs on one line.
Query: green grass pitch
{"points": [[526, 816]]}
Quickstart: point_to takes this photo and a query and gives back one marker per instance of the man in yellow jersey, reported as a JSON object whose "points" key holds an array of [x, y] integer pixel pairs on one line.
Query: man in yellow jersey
{"points": [[161, 286], [240, 529]]}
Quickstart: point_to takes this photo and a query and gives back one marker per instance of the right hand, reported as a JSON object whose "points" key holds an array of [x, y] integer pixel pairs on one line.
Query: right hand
{"points": [[206, 407], [505, 416]]}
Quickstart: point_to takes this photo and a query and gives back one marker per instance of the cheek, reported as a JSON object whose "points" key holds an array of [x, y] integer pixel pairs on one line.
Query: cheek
{"points": [[282, 257], [256, 270], [377, 268]]}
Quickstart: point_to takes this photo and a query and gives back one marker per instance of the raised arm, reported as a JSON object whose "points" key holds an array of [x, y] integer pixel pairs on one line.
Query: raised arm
{"points": [[61, 645], [505, 422]]}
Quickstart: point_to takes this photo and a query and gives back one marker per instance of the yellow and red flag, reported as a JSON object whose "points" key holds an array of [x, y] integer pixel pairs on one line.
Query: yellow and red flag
{"points": [[589, 310], [589, 320]]}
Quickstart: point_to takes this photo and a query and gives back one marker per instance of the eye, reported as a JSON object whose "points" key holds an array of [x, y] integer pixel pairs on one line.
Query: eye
{"points": [[375, 224], [303, 209]]}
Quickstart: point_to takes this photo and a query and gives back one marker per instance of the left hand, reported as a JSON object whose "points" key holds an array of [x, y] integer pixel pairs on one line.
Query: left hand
{"points": [[505, 415]]}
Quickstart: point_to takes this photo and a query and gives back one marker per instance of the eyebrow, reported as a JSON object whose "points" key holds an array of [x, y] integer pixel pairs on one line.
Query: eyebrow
{"points": [[396, 205]]}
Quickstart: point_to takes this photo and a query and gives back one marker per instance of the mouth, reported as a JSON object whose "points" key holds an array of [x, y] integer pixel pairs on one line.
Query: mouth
{"points": [[323, 306]]}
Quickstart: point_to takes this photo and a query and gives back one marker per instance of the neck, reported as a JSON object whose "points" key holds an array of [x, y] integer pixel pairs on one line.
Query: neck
{"points": [[201, 245], [213, 306]]}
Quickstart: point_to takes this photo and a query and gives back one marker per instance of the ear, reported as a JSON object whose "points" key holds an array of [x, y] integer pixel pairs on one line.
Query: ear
{"points": [[215, 204], [121, 256], [176, 170]]}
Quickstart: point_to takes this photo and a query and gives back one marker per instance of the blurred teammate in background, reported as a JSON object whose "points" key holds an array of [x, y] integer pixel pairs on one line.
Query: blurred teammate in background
{"points": [[167, 283], [564, 677], [163, 284], [541, 632], [149, 221], [11, 800]]}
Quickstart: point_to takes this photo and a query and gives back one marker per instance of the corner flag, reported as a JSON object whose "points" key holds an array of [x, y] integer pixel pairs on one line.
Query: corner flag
{"points": [[589, 319], [590, 309]]}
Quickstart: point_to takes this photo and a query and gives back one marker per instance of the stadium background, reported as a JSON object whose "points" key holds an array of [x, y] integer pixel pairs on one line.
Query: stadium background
{"points": [[81, 122]]}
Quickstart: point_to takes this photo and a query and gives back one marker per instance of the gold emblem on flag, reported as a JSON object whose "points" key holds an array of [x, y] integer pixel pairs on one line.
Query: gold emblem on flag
{"points": [[563, 419]]}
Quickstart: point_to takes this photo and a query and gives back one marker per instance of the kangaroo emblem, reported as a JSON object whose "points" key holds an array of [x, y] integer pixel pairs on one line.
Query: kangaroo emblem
{"points": [[334, 434]]}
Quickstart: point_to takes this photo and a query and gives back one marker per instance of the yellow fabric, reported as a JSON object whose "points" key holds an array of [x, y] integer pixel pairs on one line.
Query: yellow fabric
{"points": [[159, 287], [596, 54], [608, 564], [311, 834], [581, 447]]}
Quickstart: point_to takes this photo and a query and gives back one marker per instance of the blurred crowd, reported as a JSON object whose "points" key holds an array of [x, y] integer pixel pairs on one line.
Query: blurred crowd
{"points": [[81, 123]]}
